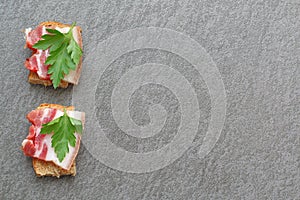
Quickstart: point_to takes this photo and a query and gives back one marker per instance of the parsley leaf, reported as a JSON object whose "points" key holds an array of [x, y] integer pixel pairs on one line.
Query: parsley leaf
{"points": [[63, 129], [65, 53]]}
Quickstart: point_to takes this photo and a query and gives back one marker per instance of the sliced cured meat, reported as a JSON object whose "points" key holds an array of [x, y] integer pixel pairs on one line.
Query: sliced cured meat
{"points": [[36, 62], [73, 76], [41, 116], [33, 36], [39, 145], [31, 63]]}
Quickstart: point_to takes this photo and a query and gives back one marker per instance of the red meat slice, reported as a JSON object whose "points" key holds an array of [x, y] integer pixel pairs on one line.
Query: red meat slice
{"points": [[39, 145], [34, 36], [36, 62]]}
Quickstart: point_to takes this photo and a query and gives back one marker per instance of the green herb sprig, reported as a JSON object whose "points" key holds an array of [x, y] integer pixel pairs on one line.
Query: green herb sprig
{"points": [[63, 129], [65, 53]]}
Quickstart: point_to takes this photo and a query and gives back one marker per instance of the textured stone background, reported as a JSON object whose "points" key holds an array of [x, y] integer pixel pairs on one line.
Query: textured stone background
{"points": [[256, 46]]}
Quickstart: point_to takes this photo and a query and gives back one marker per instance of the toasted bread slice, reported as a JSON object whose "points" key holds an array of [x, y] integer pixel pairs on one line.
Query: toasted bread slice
{"points": [[33, 77], [48, 168]]}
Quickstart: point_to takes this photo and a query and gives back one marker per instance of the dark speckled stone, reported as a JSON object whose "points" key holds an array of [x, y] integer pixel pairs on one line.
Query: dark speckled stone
{"points": [[256, 47]]}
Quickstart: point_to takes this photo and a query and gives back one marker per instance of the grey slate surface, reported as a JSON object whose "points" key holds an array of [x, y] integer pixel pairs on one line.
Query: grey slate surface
{"points": [[256, 47]]}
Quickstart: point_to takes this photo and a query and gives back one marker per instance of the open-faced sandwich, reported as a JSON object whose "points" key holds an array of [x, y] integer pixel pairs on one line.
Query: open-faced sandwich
{"points": [[56, 54], [54, 139]]}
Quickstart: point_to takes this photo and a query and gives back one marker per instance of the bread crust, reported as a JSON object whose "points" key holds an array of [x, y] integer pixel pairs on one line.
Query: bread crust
{"points": [[33, 77], [48, 168], [55, 106]]}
